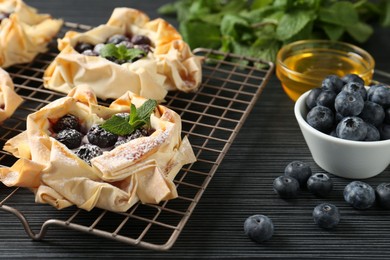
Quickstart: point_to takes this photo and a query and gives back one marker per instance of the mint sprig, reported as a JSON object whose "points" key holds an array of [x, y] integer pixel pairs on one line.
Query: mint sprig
{"points": [[126, 125], [121, 52]]}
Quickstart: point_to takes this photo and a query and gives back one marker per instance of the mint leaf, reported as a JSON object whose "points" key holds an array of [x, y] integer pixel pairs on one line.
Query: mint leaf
{"points": [[292, 23], [340, 13], [117, 125], [199, 34], [120, 52], [334, 32], [136, 119], [109, 50], [360, 31]]}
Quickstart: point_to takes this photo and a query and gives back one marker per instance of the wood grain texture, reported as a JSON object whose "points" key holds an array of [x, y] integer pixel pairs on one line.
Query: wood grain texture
{"points": [[242, 186]]}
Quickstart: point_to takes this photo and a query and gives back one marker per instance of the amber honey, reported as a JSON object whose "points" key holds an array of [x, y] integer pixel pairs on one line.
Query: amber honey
{"points": [[305, 68]]}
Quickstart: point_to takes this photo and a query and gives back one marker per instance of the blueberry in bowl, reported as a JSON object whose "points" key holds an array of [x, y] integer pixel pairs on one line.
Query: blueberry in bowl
{"points": [[354, 142]]}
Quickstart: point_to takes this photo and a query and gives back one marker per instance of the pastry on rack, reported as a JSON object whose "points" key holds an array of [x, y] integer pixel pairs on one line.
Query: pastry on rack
{"points": [[77, 152], [129, 52], [9, 99], [24, 32]]}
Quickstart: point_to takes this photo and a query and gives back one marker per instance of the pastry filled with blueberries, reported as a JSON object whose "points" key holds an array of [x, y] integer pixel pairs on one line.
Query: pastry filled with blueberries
{"points": [[128, 53], [77, 152]]}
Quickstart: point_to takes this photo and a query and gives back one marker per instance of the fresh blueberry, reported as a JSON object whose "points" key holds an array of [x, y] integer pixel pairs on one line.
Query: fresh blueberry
{"points": [[333, 83], [320, 184], [87, 152], [326, 215], [352, 128], [371, 90], [354, 87], [348, 103], [326, 98], [286, 187], [83, 46], [381, 96], [372, 113], [359, 194], [98, 48], [90, 53], [140, 40], [134, 135], [259, 228], [352, 78], [68, 121], [311, 100], [127, 44], [101, 137], [383, 195], [384, 131], [372, 133], [117, 38], [320, 118], [70, 137], [298, 170], [387, 116]]}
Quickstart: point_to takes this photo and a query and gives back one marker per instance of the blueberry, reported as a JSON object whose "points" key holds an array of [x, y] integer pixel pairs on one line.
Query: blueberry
{"points": [[384, 131], [333, 83], [68, 121], [359, 194], [117, 38], [352, 128], [136, 134], [70, 137], [381, 96], [383, 195], [83, 46], [259, 228], [298, 170], [87, 152], [326, 98], [326, 215], [90, 53], [320, 184], [372, 113], [286, 187], [387, 116], [100, 137], [98, 48], [352, 78], [354, 87], [311, 100], [320, 118], [127, 44], [371, 91], [372, 133], [140, 40], [348, 103]]}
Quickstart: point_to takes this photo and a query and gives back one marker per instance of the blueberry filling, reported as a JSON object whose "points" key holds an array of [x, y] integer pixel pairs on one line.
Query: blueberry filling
{"points": [[91, 143], [118, 48]]}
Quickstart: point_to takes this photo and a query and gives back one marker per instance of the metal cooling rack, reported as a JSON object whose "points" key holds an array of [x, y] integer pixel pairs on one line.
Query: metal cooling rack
{"points": [[211, 117]]}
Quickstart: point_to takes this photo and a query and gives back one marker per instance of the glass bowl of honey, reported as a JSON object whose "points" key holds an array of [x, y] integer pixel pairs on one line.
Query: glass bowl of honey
{"points": [[302, 65]]}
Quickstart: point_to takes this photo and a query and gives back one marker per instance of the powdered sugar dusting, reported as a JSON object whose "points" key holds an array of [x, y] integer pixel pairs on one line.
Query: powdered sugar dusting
{"points": [[127, 153]]}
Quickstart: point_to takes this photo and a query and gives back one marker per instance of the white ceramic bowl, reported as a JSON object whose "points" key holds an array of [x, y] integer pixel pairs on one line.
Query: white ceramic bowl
{"points": [[344, 158]]}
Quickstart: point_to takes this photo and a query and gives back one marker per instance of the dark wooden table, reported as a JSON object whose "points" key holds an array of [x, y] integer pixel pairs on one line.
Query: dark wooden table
{"points": [[242, 185]]}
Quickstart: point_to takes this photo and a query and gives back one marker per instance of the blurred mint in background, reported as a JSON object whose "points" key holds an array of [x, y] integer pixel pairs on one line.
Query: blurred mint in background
{"points": [[259, 28]]}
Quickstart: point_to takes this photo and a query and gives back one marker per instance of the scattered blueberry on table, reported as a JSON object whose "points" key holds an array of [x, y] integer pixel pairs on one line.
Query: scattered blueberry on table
{"points": [[259, 228], [359, 195], [326, 215], [298, 170], [320, 184], [286, 187]]}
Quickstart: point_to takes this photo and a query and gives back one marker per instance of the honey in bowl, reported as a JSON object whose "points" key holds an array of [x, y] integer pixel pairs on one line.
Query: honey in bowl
{"points": [[302, 65]]}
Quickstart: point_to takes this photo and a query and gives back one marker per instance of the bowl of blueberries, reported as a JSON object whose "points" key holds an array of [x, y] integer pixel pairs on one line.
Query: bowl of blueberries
{"points": [[346, 126]]}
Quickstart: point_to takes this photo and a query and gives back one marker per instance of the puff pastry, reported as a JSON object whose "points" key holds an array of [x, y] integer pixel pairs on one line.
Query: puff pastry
{"points": [[170, 65], [9, 100], [142, 169], [23, 32]]}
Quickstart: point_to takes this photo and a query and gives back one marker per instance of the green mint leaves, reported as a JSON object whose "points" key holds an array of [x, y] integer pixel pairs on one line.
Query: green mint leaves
{"points": [[259, 28], [137, 118], [120, 52]]}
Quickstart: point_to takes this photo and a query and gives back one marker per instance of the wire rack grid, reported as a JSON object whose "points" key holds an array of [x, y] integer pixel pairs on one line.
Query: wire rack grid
{"points": [[211, 118]]}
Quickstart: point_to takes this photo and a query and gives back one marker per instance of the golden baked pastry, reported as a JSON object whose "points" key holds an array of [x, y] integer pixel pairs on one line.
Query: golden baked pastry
{"points": [[9, 100], [24, 32], [139, 168], [164, 62]]}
